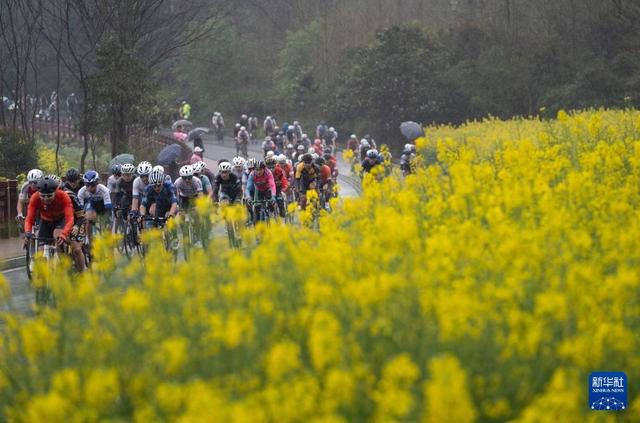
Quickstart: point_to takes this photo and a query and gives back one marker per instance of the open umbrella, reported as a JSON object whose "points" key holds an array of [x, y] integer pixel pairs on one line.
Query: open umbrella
{"points": [[411, 130], [197, 133], [122, 159], [171, 154], [181, 122]]}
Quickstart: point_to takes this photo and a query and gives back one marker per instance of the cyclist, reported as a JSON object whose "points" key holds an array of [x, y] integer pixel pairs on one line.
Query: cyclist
{"points": [[159, 199], [250, 166], [238, 164], [305, 141], [72, 181], [218, 125], [94, 197], [261, 185], [200, 171], [242, 141], [321, 129], [300, 151], [269, 126], [78, 233], [372, 160], [325, 182], [307, 174], [197, 155], [332, 162], [318, 147], [123, 195], [330, 138], [364, 147], [140, 184], [55, 210], [244, 120], [281, 181], [408, 154], [187, 187], [227, 186], [253, 126], [27, 190], [297, 129], [116, 173], [268, 145], [289, 151], [352, 143]]}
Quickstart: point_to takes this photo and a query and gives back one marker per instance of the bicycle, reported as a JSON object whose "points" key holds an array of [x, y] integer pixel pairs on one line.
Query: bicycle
{"points": [[232, 227], [119, 227], [263, 210], [43, 294], [131, 238], [169, 238]]}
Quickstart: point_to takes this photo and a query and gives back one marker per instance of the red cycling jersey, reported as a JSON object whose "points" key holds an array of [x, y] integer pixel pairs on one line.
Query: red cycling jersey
{"points": [[280, 178], [59, 208], [325, 174]]}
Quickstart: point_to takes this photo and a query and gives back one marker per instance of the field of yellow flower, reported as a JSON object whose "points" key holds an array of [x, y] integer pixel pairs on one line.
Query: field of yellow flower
{"points": [[486, 287]]}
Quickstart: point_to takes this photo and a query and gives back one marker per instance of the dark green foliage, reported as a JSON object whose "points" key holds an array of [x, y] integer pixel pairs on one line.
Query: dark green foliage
{"points": [[17, 153]]}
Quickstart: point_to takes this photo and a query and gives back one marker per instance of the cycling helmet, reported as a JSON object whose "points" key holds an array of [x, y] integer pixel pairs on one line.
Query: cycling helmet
{"points": [[128, 169], [238, 161], [244, 116], [91, 177], [305, 136], [46, 185], [289, 146], [261, 164], [372, 154], [242, 128], [314, 155], [116, 169], [268, 139], [353, 136], [156, 177], [332, 129], [270, 153], [296, 123], [364, 143], [301, 148], [282, 159], [144, 168], [186, 170], [158, 167], [55, 178], [307, 158], [320, 161], [237, 125], [270, 161], [34, 175], [199, 167], [311, 150], [224, 167], [72, 175], [318, 142], [327, 156], [408, 147], [251, 163]]}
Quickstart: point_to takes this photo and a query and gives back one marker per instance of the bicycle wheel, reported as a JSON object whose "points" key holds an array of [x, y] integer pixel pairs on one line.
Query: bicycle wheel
{"points": [[30, 256]]}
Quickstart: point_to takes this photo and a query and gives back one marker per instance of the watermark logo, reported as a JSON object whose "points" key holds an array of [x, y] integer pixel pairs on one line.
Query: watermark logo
{"points": [[608, 391]]}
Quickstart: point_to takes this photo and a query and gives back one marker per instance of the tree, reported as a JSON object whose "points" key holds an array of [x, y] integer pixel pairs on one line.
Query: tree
{"points": [[395, 78]]}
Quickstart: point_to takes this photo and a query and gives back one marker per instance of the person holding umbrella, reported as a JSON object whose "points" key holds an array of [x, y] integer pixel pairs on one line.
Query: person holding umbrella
{"points": [[179, 134], [197, 155]]}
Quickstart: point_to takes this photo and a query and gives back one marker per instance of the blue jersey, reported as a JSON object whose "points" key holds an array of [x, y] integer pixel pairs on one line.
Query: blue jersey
{"points": [[163, 199]]}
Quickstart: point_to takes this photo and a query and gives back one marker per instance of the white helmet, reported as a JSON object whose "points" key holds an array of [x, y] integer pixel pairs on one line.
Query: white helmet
{"points": [[296, 123], [244, 116], [242, 128], [311, 150], [268, 117], [332, 129], [224, 167], [186, 170], [365, 143], [314, 155], [34, 175], [408, 147], [128, 169], [238, 161], [270, 153], [305, 136], [156, 177], [199, 167], [282, 159], [353, 136], [268, 139], [237, 125], [159, 168], [289, 146], [251, 163], [144, 168]]}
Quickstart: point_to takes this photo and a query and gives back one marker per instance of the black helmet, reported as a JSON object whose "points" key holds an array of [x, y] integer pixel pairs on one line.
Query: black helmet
{"points": [[72, 175], [327, 156], [261, 164], [320, 161], [307, 158], [116, 169], [47, 185]]}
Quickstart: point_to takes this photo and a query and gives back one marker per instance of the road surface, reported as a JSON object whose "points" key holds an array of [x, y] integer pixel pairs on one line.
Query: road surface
{"points": [[23, 296]]}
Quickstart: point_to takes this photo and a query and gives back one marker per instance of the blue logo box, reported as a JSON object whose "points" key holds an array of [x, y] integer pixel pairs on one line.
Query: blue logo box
{"points": [[608, 391]]}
